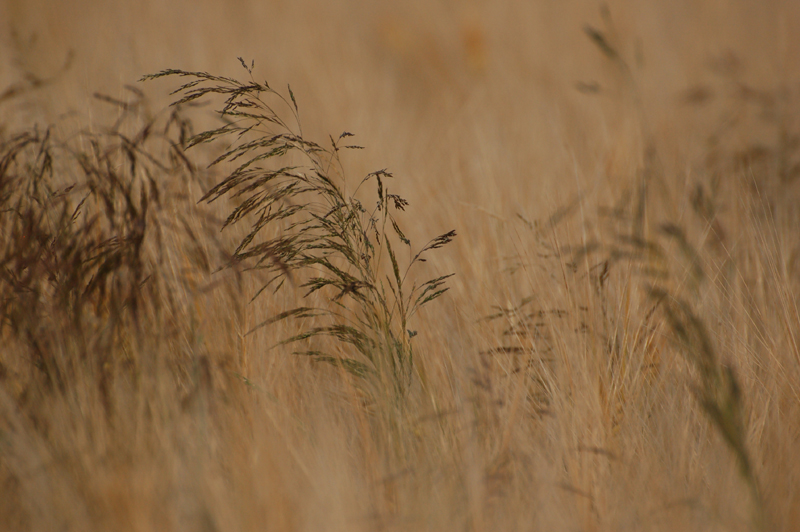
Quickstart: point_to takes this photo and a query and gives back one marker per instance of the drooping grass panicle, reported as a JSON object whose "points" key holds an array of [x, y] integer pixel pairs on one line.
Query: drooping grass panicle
{"points": [[304, 225]]}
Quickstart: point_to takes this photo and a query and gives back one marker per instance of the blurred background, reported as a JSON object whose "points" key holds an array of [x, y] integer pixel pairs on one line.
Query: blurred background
{"points": [[481, 108], [393, 71]]}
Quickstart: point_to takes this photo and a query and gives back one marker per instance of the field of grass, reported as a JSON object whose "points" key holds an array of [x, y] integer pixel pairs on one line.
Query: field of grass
{"points": [[275, 341]]}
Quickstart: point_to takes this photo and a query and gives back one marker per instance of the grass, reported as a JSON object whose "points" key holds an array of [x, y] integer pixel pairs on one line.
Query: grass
{"points": [[331, 239], [210, 323]]}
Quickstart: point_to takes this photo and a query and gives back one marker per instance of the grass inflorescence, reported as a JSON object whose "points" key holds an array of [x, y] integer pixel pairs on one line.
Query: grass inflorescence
{"points": [[325, 236]]}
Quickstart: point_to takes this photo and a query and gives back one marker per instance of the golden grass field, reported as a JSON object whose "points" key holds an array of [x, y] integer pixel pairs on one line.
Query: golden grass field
{"points": [[618, 348]]}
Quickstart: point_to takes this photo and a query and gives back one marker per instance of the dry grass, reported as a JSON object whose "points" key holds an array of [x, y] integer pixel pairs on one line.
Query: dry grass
{"points": [[618, 348]]}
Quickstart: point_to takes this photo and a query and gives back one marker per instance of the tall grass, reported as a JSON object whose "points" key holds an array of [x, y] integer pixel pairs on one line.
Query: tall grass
{"points": [[324, 234], [82, 246], [634, 247]]}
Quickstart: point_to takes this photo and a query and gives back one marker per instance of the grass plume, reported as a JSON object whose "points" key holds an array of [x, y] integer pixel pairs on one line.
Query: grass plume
{"points": [[327, 236]]}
